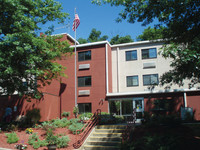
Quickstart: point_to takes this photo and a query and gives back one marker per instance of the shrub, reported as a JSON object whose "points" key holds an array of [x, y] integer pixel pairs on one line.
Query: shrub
{"points": [[63, 141], [47, 125], [107, 118], [61, 123], [12, 138], [75, 126], [35, 141], [74, 120], [11, 127], [66, 114], [75, 111], [85, 116], [33, 116], [119, 119]]}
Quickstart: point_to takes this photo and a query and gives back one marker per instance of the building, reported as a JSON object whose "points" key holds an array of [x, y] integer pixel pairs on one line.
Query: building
{"points": [[113, 78]]}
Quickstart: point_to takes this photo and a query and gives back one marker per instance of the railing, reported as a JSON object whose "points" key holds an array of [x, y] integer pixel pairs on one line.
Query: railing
{"points": [[89, 125], [129, 127]]}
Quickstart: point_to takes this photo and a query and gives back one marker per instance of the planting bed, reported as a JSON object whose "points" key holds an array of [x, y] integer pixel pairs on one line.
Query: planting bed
{"points": [[23, 137]]}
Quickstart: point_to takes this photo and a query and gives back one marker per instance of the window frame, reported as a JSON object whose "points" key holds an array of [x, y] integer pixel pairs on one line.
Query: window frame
{"points": [[84, 55], [148, 49], [84, 77], [84, 104], [150, 79], [132, 85], [131, 59]]}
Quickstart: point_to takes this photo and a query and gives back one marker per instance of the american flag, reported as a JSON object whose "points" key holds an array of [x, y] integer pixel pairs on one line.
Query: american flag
{"points": [[76, 21]]}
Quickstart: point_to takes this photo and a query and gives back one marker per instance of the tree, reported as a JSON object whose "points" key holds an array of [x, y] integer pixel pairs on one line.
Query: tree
{"points": [[25, 57], [82, 41], [151, 34], [96, 36], [181, 19], [119, 40]]}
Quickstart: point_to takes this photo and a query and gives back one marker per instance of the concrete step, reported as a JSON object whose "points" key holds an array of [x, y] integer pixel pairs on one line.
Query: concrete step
{"points": [[107, 134], [103, 143], [109, 130], [95, 138], [99, 147], [111, 127]]}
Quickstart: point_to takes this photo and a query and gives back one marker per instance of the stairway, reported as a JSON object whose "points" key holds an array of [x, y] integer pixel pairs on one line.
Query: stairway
{"points": [[105, 137]]}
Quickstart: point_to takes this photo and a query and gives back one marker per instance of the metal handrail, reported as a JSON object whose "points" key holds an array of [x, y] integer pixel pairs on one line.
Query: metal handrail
{"points": [[129, 127], [89, 125]]}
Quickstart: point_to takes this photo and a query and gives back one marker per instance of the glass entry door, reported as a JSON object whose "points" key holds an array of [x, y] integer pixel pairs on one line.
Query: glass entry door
{"points": [[138, 103]]}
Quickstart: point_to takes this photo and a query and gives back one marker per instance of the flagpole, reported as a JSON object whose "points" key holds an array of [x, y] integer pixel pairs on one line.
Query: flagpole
{"points": [[75, 63]]}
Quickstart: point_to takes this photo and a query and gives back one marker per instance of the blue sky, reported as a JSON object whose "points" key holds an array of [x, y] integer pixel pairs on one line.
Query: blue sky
{"points": [[100, 17]]}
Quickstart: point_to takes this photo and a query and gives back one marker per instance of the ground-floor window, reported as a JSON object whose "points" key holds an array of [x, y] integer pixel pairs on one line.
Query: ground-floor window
{"points": [[125, 106], [84, 107]]}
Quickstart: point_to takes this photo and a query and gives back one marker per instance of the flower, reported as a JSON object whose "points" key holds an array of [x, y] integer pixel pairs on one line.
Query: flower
{"points": [[21, 146], [29, 130]]}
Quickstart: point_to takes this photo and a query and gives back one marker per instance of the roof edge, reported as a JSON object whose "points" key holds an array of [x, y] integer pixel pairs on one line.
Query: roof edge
{"points": [[139, 42], [92, 44], [152, 92]]}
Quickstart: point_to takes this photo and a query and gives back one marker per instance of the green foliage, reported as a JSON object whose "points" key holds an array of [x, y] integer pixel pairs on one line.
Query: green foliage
{"points": [[85, 116], [61, 123], [47, 126], [181, 31], [164, 138], [151, 34], [82, 41], [35, 141], [75, 126], [107, 118], [119, 40], [75, 111], [23, 54], [66, 114], [63, 141], [33, 115], [12, 137], [94, 36], [119, 119]]}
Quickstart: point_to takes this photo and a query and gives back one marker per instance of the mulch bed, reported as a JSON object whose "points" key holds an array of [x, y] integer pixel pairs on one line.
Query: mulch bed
{"points": [[23, 137]]}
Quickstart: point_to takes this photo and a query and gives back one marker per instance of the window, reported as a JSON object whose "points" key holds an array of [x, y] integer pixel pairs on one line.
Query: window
{"points": [[149, 53], [131, 55], [84, 81], [151, 79], [84, 108], [132, 81], [83, 56]]}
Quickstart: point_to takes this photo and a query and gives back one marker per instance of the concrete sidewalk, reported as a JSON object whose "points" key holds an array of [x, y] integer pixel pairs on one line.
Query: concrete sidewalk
{"points": [[5, 149]]}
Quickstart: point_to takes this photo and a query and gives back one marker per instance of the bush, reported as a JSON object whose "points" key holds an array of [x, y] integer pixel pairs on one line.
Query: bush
{"points": [[74, 120], [66, 114], [75, 126], [61, 123], [107, 118], [85, 116], [75, 111], [12, 138], [47, 125], [35, 141], [63, 141], [33, 116], [119, 119]]}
